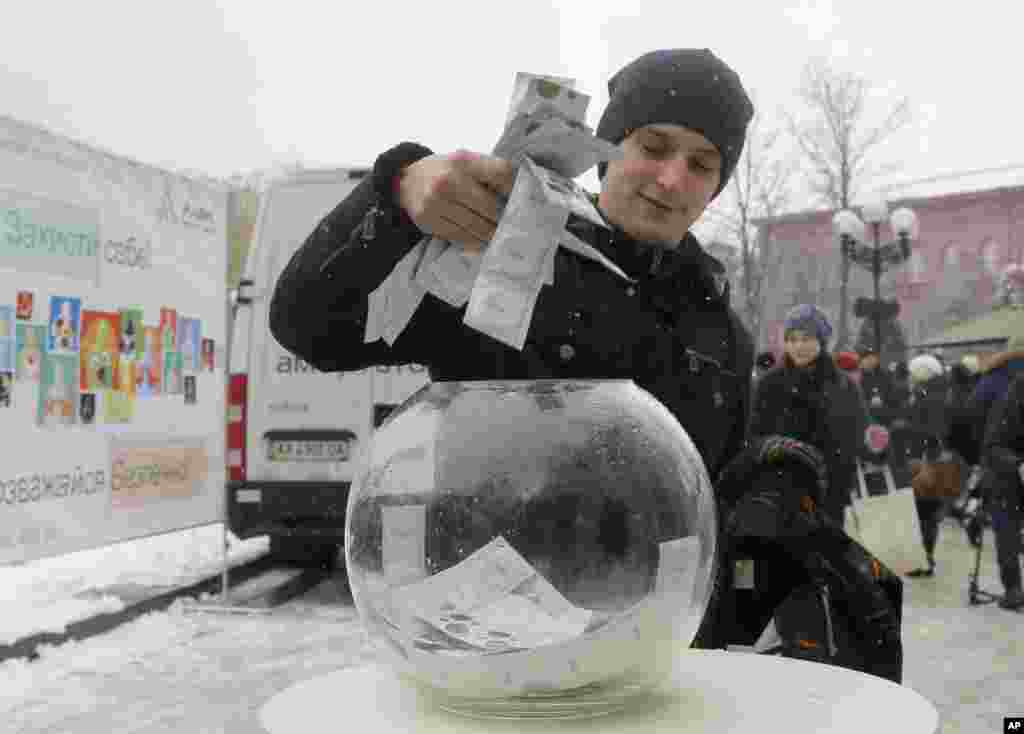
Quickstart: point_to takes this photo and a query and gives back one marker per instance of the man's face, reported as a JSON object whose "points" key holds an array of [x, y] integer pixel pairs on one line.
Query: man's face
{"points": [[802, 348], [664, 182]]}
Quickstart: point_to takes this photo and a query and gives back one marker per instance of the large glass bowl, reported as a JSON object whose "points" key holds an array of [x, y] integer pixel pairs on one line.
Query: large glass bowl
{"points": [[531, 549]]}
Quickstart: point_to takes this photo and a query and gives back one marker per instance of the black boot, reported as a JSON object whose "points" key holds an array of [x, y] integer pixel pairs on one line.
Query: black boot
{"points": [[1013, 598], [923, 573]]}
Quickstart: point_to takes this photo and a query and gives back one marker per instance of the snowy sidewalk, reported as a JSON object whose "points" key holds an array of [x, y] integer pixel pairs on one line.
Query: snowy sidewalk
{"points": [[185, 672]]}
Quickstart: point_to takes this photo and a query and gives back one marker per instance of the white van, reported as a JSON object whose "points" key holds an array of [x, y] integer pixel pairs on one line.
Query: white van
{"points": [[293, 432]]}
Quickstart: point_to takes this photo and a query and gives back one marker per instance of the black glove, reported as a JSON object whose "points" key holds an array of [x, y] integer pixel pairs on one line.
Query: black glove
{"points": [[773, 488]]}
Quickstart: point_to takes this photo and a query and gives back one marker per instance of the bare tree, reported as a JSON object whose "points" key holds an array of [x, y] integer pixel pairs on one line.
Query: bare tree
{"points": [[758, 190], [836, 140]]}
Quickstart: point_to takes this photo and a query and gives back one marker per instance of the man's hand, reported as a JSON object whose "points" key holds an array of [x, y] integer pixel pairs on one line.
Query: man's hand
{"points": [[457, 197]]}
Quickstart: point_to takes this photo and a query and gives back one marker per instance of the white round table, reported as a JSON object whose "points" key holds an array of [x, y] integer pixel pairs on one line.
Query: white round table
{"points": [[711, 692]]}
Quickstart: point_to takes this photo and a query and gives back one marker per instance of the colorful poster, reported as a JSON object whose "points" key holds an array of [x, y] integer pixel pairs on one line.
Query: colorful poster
{"points": [[87, 408], [64, 325], [6, 388], [58, 391], [8, 340], [173, 373], [131, 333], [127, 381], [189, 342], [117, 407], [169, 329], [25, 304], [100, 350], [208, 351], [30, 352], [149, 376]]}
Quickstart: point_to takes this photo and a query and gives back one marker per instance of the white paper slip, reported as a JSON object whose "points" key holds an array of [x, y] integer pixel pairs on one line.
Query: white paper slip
{"points": [[403, 543], [532, 91], [573, 243], [481, 578], [453, 275], [564, 193], [405, 294], [513, 622], [678, 561]]}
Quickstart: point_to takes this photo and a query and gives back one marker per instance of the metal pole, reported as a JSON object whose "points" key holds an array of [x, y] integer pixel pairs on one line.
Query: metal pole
{"points": [[843, 285], [877, 313], [233, 201]]}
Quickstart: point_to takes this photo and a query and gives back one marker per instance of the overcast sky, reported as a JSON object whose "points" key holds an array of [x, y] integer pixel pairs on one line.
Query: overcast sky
{"points": [[233, 86]]}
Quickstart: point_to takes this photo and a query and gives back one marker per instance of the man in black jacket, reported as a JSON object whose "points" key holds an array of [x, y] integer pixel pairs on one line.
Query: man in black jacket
{"points": [[680, 117]]}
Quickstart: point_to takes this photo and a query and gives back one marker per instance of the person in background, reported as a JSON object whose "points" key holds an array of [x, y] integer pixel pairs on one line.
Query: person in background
{"points": [[1003, 451], [810, 400], [848, 363], [877, 385], [928, 426], [997, 372], [959, 436], [763, 364], [900, 435]]}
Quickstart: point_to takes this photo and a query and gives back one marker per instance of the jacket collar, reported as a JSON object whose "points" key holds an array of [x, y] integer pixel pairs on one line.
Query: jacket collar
{"points": [[653, 262]]}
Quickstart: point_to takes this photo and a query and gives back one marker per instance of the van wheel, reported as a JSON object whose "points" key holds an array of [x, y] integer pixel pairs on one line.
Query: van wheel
{"points": [[303, 552]]}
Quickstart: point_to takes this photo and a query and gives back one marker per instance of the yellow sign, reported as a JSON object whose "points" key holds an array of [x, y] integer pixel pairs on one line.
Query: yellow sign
{"points": [[140, 474]]}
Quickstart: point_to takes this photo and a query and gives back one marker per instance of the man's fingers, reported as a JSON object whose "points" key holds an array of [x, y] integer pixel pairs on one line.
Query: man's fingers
{"points": [[471, 195], [496, 174], [457, 232]]}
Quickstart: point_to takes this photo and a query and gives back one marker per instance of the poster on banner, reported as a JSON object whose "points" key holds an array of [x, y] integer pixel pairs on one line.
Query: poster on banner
{"points": [[29, 357], [113, 278], [8, 339], [189, 342], [151, 374], [64, 324]]}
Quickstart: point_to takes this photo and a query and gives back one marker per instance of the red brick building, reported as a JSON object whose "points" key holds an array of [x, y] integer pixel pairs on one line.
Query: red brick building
{"points": [[971, 227]]}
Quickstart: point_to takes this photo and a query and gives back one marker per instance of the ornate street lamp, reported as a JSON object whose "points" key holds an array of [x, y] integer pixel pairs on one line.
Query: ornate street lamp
{"points": [[878, 258]]}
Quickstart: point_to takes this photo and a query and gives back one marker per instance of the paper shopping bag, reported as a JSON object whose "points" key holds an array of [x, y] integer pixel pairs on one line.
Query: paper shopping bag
{"points": [[887, 525]]}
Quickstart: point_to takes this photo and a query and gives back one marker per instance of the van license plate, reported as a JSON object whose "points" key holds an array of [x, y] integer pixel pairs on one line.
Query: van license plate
{"points": [[293, 451]]}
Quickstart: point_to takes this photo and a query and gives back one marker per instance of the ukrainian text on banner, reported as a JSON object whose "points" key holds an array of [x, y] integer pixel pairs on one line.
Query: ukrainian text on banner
{"points": [[112, 307]]}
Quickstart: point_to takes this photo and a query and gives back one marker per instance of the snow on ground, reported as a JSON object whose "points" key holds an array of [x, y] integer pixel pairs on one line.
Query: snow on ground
{"points": [[210, 673], [49, 594]]}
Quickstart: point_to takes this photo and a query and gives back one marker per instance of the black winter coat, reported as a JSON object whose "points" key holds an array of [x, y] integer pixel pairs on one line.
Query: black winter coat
{"points": [[928, 415], [672, 331], [880, 394], [1004, 444], [820, 406]]}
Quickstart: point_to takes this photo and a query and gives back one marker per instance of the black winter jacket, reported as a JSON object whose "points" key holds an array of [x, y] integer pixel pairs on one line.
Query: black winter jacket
{"points": [[671, 331], [820, 406], [1004, 443], [879, 390]]}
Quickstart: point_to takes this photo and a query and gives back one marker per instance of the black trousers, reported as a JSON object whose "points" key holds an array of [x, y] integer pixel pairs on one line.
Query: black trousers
{"points": [[1006, 525], [929, 514]]}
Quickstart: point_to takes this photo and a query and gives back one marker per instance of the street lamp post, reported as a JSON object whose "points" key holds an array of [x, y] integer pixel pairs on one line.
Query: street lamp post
{"points": [[879, 257]]}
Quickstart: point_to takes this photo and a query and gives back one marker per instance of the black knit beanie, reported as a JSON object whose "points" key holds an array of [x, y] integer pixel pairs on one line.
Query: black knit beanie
{"points": [[688, 87]]}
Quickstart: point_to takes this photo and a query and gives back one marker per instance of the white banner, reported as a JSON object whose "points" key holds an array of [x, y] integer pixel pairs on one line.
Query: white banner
{"points": [[112, 323]]}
